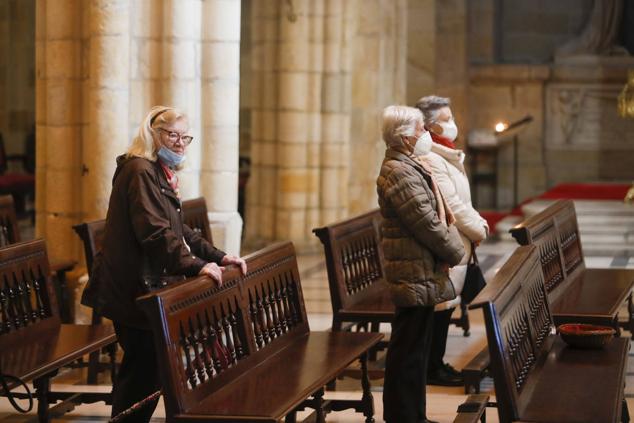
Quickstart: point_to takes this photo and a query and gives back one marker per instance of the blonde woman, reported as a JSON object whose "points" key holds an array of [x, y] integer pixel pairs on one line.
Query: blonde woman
{"points": [[147, 246]]}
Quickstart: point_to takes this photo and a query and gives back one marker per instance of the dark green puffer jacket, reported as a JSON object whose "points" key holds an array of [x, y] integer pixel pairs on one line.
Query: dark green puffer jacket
{"points": [[415, 242]]}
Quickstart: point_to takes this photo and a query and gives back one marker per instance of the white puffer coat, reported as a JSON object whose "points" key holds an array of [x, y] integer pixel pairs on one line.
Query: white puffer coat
{"points": [[450, 175]]}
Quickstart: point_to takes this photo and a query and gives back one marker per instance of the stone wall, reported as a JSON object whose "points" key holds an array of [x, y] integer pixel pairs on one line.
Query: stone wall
{"points": [[507, 93]]}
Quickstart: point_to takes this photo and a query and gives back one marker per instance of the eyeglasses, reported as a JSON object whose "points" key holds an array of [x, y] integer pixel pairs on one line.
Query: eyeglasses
{"points": [[174, 137]]}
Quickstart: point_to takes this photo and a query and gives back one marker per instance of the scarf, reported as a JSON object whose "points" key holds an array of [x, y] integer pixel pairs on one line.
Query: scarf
{"points": [[444, 212], [171, 177], [442, 141]]}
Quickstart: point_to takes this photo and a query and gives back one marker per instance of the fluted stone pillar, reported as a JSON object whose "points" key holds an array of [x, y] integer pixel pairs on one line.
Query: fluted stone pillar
{"points": [[300, 117], [181, 74], [220, 86], [58, 122], [108, 101]]}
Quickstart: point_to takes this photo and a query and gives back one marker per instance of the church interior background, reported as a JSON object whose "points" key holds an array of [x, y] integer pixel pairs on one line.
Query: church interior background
{"points": [[285, 96]]}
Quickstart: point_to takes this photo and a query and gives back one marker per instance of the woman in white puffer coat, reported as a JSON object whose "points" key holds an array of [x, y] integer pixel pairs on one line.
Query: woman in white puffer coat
{"points": [[446, 162]]}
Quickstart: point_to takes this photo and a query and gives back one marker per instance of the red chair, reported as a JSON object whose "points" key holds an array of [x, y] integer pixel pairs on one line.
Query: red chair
{"points": [[18, 184]]}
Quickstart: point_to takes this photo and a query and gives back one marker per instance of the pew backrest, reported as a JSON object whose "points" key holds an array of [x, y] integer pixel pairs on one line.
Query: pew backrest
{"points": [[195, 216], [9, 233], [28, 303], [556, 234], [518, 323], [353, 258], [91, 234], [212, 335]]}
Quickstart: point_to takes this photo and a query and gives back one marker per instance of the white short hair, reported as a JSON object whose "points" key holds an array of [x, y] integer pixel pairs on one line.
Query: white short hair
{"points": [[399, 121], [431, 105]]}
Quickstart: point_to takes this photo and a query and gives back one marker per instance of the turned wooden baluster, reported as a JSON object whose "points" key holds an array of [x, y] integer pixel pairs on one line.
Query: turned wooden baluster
{"points": [[270, 286], [281, 316], [213, 338], [27, 297], [194, 341], [288, 320], [5, 325], [21, 301], [14, 313], [228, 333], [253, 312], [260, 316], [347, 272], [189, 371], [291, 298], [204, 338], [218, 329], [39, 303], [233, 319]]}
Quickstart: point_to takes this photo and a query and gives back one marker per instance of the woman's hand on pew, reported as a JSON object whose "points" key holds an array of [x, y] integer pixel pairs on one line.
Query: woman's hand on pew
{"points": [[213, 271], [228, 259]]}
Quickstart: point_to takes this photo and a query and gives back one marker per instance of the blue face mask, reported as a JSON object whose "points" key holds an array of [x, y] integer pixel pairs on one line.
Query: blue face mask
{"points": [[170, 158]]}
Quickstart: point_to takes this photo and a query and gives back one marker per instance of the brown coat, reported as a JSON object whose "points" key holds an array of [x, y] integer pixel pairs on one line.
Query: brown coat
{"points": [[143, 243], [416, 244]]}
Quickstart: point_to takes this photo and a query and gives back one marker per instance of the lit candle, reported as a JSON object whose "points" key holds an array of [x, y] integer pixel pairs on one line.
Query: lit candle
{"points": [[500, 126]]}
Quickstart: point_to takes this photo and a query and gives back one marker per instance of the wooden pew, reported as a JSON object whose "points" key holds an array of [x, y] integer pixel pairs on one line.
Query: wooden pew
{"points": [[34, 344], [195, 216], [354, 261], [537, 377], [576, 294], [91, 234], [244, 352], [10, 234]]}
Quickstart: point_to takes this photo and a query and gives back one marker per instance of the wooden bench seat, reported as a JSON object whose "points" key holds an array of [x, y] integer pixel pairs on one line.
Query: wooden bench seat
{"points": [[576, 294], [244, 351], [33, 342], [537, 377]]}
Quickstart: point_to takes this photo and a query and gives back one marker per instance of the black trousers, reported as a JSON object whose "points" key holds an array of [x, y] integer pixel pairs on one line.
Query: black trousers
{"points": [[440, 331], [406, 365], [138, 374]]}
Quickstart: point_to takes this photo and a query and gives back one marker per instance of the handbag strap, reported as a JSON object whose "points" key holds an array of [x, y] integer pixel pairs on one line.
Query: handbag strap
{"points": [[9, 395], [474, 258]]}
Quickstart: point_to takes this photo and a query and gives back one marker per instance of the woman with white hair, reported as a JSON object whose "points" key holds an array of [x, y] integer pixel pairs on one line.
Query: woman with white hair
{"points": [[146, 246], [419, 243], [446, 162]]}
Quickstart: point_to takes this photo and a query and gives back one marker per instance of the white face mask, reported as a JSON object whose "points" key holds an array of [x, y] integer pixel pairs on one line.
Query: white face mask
{"points": [[449, 130], [423, 144]]}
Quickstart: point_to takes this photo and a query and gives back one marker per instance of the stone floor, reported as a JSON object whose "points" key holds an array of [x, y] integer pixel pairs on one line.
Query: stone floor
{"points": [[442, 402]]}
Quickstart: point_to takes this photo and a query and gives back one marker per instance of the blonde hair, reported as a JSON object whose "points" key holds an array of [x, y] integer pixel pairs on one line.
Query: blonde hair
{"points": [[143, 144], [399, 121]]}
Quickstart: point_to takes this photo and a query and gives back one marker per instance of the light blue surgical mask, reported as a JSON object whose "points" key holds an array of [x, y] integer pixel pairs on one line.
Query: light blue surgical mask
{"points": [[170, 158]]}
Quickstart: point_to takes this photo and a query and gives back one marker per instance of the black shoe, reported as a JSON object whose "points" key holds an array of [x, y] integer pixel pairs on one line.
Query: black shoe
{"points": [[451, 370], [442, 377]]}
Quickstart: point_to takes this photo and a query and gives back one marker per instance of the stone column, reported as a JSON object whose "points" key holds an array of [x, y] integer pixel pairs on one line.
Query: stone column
{"points": [[336, 96], [220, 86], [58, 123], [146, 58], [181, 73], [108, 101], [261, 188]]}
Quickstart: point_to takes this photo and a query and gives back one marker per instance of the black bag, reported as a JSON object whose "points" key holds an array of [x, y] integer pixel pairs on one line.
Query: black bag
{"points": [[474, 280]]}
